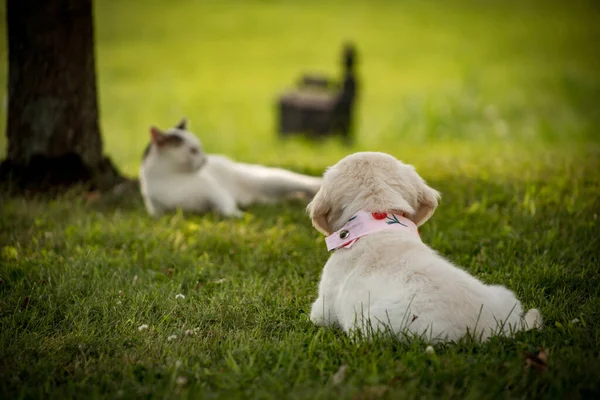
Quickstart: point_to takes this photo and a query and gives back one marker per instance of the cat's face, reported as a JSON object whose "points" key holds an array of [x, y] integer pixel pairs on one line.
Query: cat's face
{"points": [[177, 148]]}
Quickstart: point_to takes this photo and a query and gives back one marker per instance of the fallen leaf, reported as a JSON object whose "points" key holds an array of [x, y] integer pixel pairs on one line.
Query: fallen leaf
{"points": [[538, 360], [25, 302]]}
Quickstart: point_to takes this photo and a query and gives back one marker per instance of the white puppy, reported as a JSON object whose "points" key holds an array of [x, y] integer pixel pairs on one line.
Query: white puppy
{"points": [[381, 276]]}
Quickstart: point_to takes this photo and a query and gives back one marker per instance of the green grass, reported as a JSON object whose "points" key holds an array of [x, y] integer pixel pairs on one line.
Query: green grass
{"points": [[495, 103]]}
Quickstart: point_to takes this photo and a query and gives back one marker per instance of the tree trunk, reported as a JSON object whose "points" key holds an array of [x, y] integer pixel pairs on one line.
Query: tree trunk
{"points": [[52, 129]]}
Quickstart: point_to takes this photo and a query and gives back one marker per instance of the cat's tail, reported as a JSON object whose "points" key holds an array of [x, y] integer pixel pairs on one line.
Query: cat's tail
{"points": [[278, 182]]}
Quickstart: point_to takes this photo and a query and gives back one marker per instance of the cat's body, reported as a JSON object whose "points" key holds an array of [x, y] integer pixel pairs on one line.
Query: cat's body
{"points": [[176, 173]]}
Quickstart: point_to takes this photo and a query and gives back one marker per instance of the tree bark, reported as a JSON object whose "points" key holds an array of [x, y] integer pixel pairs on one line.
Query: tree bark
{"points": [[52, 130]]}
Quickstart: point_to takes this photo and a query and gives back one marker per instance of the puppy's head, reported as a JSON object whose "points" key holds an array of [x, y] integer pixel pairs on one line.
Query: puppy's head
{"points": [[374, 182]]}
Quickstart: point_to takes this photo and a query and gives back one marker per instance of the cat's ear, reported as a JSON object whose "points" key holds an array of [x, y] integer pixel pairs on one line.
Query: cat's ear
{"points": [[183, 124], [157, 135]]}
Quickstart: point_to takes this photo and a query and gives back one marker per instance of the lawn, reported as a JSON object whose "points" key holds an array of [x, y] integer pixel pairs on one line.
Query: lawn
{"points": [[494, 102]]}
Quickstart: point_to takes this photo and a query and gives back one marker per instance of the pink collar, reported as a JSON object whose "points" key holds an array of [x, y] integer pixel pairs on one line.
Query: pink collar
{"points": [[364, 223]]}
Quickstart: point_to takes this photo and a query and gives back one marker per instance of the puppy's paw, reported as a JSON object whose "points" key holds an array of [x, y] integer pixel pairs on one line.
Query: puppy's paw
{"points": [[533, 319]]}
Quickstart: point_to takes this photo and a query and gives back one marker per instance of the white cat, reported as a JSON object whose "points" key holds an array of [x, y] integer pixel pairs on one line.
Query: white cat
{"points": [[380, 275], [176, 173]]}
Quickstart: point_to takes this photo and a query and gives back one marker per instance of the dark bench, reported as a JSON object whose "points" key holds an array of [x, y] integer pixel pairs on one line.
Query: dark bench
{"points": [[320, 106]]}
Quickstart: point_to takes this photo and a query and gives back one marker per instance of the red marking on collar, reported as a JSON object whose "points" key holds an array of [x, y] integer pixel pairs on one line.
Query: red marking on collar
{"points": [[382, 215]]}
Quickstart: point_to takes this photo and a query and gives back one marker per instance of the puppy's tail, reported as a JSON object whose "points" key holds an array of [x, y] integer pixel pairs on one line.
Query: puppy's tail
{"points": [[532, 319]]}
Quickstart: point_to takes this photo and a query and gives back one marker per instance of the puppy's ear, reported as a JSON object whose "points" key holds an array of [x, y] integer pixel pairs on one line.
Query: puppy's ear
{"points": [[427, 203], [183, 124], [318, 210]]}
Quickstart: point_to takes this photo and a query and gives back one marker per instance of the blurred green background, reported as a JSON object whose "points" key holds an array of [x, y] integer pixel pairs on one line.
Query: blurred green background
{"points": [[456, 80]]}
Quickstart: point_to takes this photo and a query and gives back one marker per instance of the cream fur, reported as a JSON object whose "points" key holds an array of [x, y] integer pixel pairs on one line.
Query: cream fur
{"points": [[183, 176], [391, 279]]}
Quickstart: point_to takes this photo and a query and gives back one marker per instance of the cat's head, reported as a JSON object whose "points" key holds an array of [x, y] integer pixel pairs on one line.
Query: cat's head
{"points": [[176, 149]]}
